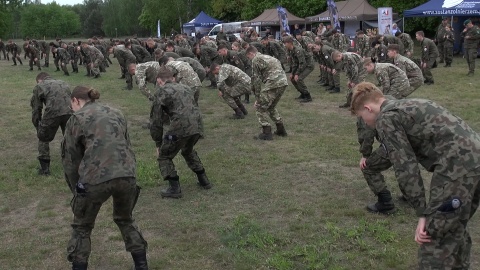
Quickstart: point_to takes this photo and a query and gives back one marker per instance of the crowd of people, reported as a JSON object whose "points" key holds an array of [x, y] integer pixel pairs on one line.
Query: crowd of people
{"points": [[99, 162]]}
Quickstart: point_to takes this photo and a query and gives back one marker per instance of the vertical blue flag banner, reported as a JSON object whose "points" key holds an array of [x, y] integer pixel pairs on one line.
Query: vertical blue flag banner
{"points": [[158, 29], [282, 16], [332, 9]]}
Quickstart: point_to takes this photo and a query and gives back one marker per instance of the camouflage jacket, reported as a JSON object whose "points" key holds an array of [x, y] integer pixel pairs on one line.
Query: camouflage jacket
{"points": [[420, 131], [93, 53], [14, 49], [301, 60], [72, 50], [380, 54], [353, 67], [389, 39], [392, 79], [363, 45], [147, 72], [233, 59], [326, 56], [366, 137], [259, 46], [55, 95], [63, 55], [448, 39], [429, 50], [208, 55], [232, 76], [96, 147], [247, 63], [141, 54], [276, 50], [32, 52], [440, 33], [267, 70], [407, 43], [473, 35], [177, 101], [197, 67], [182, 43], [183, 52], [184, 73], [408, 66], [124, 55]]}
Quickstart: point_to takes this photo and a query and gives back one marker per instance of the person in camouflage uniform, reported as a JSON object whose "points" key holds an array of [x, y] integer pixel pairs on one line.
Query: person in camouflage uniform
{"points": [[429, 56], [352, 64], [379, 52], [439, 38], [141, 54], [182, 132], [247, 64], [337, 41], [471, 37], [62, 56], [392, 79], [302, 66], [73, 56], [232, 84], [416, 131], [413, 71], [95, 59], [99, 163], [268, 71], [182, 52], [15, 50], [389, 39], [125, 57], [44, 49], [328, 65], [145, 72], [3, 50], [33, 54], [50, 104], [276, 50], [197, 67], [207, 56], [184, 74], [363, 44], [448, 41], [230, 57], [407, 44]]}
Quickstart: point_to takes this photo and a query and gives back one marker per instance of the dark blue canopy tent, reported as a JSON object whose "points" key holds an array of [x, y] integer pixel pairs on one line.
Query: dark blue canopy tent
{"points": [[202, 23], [458, 10]]}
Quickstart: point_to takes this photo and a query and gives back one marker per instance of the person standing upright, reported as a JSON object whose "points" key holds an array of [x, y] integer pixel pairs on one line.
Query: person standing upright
{"points": [[429, 56], [471, 36]]}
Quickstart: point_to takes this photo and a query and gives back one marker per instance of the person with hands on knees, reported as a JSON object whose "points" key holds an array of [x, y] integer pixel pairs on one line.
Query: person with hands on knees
{"points": [[419, 131]]}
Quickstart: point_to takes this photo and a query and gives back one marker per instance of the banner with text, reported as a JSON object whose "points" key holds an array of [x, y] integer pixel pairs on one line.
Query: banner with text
{"points": [[385, 21]]}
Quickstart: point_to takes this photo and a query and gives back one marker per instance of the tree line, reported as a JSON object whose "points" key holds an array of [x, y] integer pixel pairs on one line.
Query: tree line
{"points": [[116, 18]]}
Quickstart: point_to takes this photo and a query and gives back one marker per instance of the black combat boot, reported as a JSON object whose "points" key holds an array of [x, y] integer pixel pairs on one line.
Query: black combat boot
{"points": [[325, 84], [238, 114], [280, 130], [247, 98], [173, 190], [44, 167], [347, 104], [302, 96], [140, 260], [306, 98], [203, 179], [213, 85], [384, 205], [266, 134], [20, 60], [329, 87], [123, 76], [31, 69], [66, 73], [97, 75], [46, 65], [39, 68], [79, 266], [58, 69], [242, 108], [335, 90]]}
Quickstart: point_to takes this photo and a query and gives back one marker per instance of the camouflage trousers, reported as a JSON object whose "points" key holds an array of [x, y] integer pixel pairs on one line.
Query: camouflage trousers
{"points": [[440, 47], [85, 207], [171, 145], [398, 88], [31, 62], [5, 54], [196, 93], [448, 53], [451, 242], [95, 68], [471, 55], [300, 83], [46, 131], [334, 80], [415, 83], [201, 74], [427, 72], [267, 106], [231, 95], [63, 64], [376, 163], [361, 77], [47, 55]]}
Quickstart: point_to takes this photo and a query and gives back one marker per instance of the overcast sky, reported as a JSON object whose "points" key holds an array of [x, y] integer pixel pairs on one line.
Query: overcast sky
{"points": [[63, 2]]}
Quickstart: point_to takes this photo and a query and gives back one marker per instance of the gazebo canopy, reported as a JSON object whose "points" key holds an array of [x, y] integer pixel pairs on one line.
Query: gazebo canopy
{"points": [[269, 17], [202, 20], [445, 8], [352, 10]]}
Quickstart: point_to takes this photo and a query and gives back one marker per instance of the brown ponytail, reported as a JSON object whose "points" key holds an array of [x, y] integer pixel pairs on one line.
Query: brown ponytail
{"points": [[85, 93]]}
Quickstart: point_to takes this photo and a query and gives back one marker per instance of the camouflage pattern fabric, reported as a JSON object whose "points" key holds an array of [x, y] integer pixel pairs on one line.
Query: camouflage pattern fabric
{"points": [[440, 41], [141, 54], [96, 147], [276, 50], [407, 43], [86, 204], [449, 39], [302, 65], [147, 72], [95, 57], [470, 45], [392, 79], [429, 56], [326, 53], [177, 102], [420, 131], [267, 106], [413, 71], [363, 44], [268, 71], [233, 59], [338, 42], [185, 74], [197, 67], [183, 52], [380, 54], [233, 83]]}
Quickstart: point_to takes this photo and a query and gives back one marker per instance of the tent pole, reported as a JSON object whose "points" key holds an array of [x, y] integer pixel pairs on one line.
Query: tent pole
{"points": [[403, 22]]}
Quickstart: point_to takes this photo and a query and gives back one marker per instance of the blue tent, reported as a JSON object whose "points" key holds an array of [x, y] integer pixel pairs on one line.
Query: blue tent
{"points": [[202, 20], [436, 8]]}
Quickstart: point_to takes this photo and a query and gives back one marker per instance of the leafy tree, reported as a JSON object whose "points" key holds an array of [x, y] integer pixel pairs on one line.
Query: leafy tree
{"points": [[123, 15], [92, 17]]}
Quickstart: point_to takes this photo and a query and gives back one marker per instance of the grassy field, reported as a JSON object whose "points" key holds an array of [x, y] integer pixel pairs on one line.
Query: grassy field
{"points": [[292, 203]]}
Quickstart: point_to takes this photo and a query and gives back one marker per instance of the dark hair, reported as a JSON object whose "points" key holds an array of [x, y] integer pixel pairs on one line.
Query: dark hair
{"points": [[288, 39], [398, 33], [85, 93], [164, 74], [222, 46], [214, 66], [393, 47], [251, 49], [41, 76], [420, 33], [375, 43], [163, 60]]}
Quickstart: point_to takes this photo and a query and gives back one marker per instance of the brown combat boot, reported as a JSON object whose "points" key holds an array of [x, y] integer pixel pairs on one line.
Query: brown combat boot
{"points": [[280, 130], [266, 134]]}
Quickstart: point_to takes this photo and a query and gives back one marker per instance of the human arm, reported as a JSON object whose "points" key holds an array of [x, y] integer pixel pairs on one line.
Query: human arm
{"points": [[73, 149], [156, 120], [37, 105], [140, 75]]}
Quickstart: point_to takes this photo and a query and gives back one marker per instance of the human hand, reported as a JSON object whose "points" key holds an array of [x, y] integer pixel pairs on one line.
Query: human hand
{"points": [[334, 71], [220, 94], [421, 235], [363, 163], [290, 77], [295, 78]]}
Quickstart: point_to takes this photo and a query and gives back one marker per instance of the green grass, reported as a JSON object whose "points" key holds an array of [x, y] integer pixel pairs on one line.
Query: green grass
{"points": [[292, 203]]}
